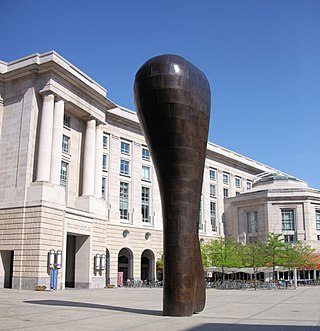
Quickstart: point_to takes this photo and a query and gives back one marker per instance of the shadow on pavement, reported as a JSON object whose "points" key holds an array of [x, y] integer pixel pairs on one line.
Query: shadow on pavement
{"points": [[62, 303], [251, 327]]}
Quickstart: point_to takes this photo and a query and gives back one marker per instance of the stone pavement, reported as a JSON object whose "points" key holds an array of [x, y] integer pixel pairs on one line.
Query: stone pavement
{"points": [[141, 309]]}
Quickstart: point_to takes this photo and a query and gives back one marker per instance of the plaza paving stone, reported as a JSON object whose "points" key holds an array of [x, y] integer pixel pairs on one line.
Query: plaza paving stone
{"points": [[141, 309]]}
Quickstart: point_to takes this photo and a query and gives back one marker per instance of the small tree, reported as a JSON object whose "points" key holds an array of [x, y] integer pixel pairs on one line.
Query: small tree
{"points": [[223, 253], [253, 257], [159, 266], [274, 251], [306, 257], [291, 255]]}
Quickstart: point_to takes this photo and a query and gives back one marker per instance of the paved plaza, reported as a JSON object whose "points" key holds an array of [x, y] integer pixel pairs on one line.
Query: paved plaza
{"points": [[141, 309]]}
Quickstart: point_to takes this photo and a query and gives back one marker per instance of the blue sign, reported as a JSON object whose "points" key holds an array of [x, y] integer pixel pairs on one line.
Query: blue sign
{"points": [[53, 279]]}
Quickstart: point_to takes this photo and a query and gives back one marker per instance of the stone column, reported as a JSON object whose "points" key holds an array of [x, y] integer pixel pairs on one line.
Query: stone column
{"points": [[89, 158], [45, 139], [57, 141], [99, 154]]}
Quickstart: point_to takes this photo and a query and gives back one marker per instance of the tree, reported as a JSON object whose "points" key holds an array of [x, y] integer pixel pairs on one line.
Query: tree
{"points": [[291, 255], [274, 251], [253, 257], [306, 257], [159, 266], [223, 253]]}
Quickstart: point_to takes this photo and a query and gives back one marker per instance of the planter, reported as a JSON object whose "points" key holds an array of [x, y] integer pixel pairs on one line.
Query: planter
{"points": [[41, 288]]}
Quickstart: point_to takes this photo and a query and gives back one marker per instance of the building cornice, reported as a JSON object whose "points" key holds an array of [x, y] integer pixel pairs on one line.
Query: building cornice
{"points": [[54, 64]]}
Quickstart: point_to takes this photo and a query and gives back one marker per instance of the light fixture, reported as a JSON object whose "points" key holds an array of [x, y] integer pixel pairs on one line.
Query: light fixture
{"points": [[103, 262], [51, 258], [58, 256], [97, 261]]}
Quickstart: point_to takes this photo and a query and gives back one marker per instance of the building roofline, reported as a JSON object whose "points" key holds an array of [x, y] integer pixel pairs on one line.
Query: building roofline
{"points": [[41, 58], [53, 61]]}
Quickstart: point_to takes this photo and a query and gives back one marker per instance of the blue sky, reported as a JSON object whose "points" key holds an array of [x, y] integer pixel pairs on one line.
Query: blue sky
{"points": [[261, 57]]}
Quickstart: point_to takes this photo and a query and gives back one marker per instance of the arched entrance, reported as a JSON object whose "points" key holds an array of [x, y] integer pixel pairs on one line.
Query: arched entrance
{"points": [[147, 265], [125, 263]]}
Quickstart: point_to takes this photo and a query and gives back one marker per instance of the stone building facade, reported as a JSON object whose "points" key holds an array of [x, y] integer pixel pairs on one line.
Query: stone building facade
{"points": [[277, 203], [77, 178]]}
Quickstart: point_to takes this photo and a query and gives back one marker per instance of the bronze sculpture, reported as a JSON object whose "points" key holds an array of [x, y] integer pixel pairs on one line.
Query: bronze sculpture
{"points": [[172, 99]]}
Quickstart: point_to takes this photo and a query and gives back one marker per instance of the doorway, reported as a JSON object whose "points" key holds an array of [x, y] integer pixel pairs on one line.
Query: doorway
{"points": [[6, 268], [125, 264], [147, 265], [77, 261]]}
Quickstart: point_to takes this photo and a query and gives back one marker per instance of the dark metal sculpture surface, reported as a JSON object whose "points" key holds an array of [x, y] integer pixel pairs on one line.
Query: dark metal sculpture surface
{"points": [[173, 105]]}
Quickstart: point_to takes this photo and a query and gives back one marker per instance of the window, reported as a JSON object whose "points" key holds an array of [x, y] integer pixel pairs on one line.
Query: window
{"points": [[318, 236], [145, 204], [65, 144], [64, 174], [287, 216], [225, 178], [213, 216], [238, 182], [212, 174], [252, 222], [103, 187], [145, 173], [124, 167], [237, 193], [105, 141], [289, 238], [249, 185], [212, 190], [201, 217], [66, 121], [225, 192], [104, 162], [318, 220], [125, 148], [124, 202], [145, 154]]}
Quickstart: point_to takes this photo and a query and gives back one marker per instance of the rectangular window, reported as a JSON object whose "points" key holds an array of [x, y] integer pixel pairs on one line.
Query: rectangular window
{"points": [[252, 222], [249, 185], [201, 217], [124, 167], [125, 148], [145, 173], [64, 174], [104, 162], [318, 220], [66, 121], [287, 216], [225, 192], [105, 141], [103, 188], [238, 182], [289, 238], [212, 190], [225, 178], [65, 144], [145, 204], [213, 216], [145, 154], [124, 200], [212, 174], [318, 236]]}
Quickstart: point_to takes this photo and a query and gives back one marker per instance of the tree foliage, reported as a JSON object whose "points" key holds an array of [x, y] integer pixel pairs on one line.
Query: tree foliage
{"points": [[225, 252], [274, 251]]}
